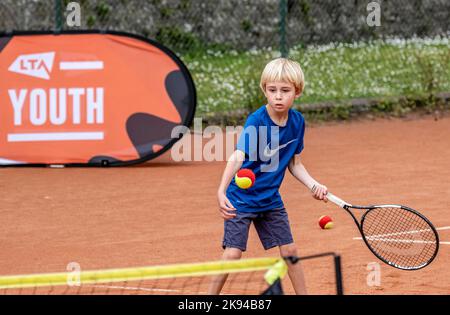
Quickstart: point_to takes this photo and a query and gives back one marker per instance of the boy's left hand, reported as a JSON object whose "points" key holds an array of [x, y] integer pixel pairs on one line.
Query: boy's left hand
{"points": [[320, 192]]}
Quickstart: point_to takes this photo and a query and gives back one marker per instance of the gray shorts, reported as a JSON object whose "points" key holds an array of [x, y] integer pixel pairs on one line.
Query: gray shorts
{"points": [[272, 227]]}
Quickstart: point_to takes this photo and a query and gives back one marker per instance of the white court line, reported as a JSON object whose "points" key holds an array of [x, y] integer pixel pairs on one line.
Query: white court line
{"points": [[400, 241], [148, 290], [409, 232], [143, 289], [131, 288], [379, 237], [401, 233]]}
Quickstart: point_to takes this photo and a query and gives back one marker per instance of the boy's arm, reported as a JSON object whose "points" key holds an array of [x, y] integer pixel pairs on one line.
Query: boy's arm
{"points": [[233, 165], [298, 170]]}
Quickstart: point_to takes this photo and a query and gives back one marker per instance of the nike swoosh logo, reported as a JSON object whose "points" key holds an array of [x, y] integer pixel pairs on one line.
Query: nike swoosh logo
{"points": [[269, 153]]}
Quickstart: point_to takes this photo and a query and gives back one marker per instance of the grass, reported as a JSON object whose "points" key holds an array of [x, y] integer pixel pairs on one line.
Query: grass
{"points": [[229, 80]]}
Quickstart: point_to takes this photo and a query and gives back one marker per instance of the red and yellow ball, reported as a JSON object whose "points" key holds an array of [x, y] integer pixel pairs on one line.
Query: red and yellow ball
{"points": [[326, 222], [245, 178]]}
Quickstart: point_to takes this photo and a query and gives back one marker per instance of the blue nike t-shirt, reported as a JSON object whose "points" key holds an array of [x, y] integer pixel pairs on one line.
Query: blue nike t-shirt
{"points": [[268, 149]]}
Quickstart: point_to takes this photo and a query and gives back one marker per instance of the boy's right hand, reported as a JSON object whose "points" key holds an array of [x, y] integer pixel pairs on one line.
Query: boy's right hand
{"points": [[225, 207], [319, 192]]}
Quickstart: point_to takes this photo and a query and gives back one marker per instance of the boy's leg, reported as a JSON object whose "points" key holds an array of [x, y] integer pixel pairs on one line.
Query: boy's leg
{"points": [[274, 230], [234, 243], [295, 271], [217, 282]]}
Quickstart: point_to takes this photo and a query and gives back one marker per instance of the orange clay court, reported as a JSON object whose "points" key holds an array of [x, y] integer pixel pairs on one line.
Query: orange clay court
{"points": [[165, 212]]}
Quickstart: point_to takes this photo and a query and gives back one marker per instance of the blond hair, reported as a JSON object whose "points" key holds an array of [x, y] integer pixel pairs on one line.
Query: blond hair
{"points": [[283, 70]]}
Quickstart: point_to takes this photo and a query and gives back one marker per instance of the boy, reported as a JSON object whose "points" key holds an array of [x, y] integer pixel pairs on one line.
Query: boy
{"points": [[282, 81]]}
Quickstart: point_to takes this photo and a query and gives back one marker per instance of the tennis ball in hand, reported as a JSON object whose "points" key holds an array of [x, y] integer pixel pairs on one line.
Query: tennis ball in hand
{"points": [[325, 222], [244, 178]]}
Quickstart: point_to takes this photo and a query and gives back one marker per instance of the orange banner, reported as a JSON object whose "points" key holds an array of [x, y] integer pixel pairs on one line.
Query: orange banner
{"points": [[89, 98]]}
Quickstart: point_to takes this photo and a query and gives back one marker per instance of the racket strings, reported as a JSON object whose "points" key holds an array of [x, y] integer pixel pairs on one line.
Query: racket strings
{"points": [[399, 236]]}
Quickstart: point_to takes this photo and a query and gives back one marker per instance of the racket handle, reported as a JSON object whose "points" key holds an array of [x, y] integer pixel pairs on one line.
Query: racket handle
{"points": [[338, 201]]}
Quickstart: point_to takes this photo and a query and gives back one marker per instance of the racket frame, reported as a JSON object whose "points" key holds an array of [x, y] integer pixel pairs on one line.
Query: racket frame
{"points": [[347, 206]]}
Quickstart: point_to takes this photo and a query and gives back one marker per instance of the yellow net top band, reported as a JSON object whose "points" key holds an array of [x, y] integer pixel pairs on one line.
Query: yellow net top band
{"points": [[276, 269]]}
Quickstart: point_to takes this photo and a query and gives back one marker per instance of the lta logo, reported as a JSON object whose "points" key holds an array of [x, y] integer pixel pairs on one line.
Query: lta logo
{"points": [[34, 65]]}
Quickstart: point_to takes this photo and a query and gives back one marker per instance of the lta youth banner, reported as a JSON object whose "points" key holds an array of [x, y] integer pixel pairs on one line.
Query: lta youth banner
{"points": [[89, 98]]}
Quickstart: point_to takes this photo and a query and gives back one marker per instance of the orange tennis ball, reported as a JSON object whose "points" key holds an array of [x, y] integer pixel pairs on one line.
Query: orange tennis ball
{"points": [[325, 222], [244, 178]]}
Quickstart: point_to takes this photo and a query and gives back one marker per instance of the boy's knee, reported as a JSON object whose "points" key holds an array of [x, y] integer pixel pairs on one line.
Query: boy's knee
{"points": [[232, 253], [288, 250]]}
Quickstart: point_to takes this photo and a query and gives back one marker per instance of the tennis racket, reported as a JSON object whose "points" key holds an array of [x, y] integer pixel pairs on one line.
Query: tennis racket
{"points": [[399, 236]]}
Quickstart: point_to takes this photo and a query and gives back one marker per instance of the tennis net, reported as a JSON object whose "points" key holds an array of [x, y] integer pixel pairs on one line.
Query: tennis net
{"points": [[246, 276]]}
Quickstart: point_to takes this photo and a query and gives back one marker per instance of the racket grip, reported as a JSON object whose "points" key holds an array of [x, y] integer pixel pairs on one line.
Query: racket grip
{"points": [[338, 201]]}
